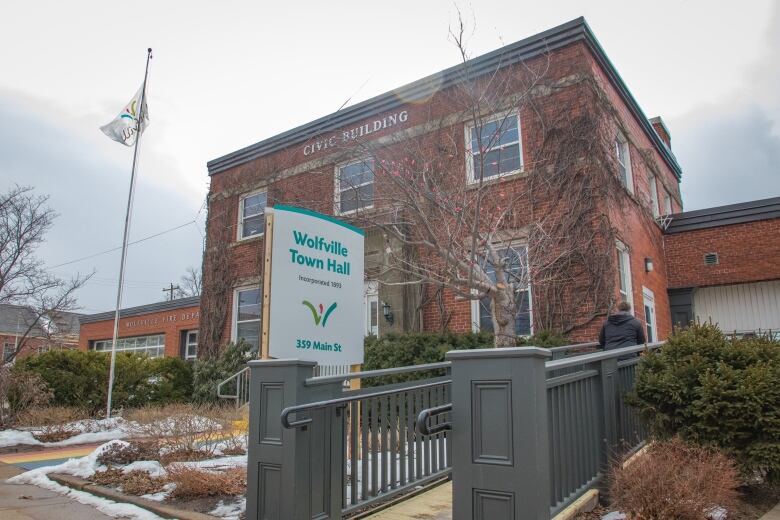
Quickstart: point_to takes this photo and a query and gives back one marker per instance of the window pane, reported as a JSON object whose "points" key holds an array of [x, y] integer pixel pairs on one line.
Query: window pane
{"points": [[354, 198], [252, 226], [374, 313], [356, 174], [249, 304], [249, 332], [255, 204], [490, 136]]}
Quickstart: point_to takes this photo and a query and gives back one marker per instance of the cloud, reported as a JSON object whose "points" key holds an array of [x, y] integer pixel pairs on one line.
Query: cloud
{"points": [[730, 152], [87, 184]]}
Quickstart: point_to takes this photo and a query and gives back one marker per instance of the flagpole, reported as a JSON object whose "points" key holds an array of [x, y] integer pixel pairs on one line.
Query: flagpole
{"points": [[141, 115]]}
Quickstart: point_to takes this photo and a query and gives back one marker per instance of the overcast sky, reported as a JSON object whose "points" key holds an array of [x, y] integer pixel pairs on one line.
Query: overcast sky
{"points": [[228, 74]]}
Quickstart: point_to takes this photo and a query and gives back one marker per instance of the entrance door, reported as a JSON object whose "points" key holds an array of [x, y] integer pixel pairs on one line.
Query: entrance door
{"points": [[650, 325]]}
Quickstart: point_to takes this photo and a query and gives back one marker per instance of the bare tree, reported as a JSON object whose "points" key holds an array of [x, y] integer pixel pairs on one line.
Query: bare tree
{"points": [[191, 283], [45, 299]]}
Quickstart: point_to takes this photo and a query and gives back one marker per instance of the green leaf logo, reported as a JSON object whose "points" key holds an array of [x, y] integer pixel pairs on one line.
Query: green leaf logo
{"points": [[319, 314]]}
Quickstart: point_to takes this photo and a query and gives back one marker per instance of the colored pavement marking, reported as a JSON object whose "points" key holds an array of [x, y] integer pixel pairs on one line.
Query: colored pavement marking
{"points": [[47, 456]]}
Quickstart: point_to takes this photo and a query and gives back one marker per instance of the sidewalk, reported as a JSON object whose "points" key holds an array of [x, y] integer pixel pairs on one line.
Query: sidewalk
{"points": [[773, 514], [25, 502]]}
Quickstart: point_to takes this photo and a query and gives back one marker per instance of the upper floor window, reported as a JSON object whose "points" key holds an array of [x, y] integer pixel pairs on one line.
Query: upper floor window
{"points": [[251, 214], [494, 147], [667, 203], [654, 196], [516, 258], [355, 186], [624, 162], [624, 273], [246, 316]]}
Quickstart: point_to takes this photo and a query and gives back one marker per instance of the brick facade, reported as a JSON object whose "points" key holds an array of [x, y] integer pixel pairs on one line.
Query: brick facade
{"points": [[747, 252], [303, 174], [173, 323]]}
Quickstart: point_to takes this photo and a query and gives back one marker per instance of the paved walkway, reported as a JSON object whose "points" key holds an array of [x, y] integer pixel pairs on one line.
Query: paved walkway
{"points": [[25, 502], [435, 504], [46, 456], [773, 514]]}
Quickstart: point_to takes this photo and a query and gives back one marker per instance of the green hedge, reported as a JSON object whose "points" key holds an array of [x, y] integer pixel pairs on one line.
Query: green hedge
{"points": [[715, 391], [398, 350], [80, 379], [208, 373]]}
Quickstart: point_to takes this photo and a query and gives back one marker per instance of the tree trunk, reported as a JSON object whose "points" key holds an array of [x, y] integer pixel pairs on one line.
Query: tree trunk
{"points": [[503, 309]]}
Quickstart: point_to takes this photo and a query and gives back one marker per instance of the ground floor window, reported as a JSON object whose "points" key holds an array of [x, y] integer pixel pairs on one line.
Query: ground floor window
{"points": [[153, 346], [8, 352], [650, 325], [191, 345], [517, 262], [246, 316]]}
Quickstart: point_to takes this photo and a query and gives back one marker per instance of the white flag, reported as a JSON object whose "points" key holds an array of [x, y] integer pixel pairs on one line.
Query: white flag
{"points": [[124, 127]]}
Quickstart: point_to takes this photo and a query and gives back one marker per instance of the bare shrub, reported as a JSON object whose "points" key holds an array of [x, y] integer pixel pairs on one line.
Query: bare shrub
{"points": [[197, 483], [674, 480], [184, 455], [20, 391], [53, 423], [127, 453], [181, 428], [134, 482]]}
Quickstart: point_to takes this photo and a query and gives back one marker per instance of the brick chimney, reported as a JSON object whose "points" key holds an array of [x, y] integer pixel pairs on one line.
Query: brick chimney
{"points": [[661, 130]]}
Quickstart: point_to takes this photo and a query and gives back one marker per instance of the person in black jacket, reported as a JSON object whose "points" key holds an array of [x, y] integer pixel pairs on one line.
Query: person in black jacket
{"points": [[621, 329]]}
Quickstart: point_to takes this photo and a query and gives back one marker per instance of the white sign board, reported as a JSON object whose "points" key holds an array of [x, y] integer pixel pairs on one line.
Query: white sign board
{"points": [[316, 293]]}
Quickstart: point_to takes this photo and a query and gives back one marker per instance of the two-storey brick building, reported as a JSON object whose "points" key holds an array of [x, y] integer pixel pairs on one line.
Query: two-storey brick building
{"points": [[572, 148]]}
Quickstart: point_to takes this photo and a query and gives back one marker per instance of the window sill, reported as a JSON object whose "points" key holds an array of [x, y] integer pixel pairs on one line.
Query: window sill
{"points": [[247, 240], [516, 174]]}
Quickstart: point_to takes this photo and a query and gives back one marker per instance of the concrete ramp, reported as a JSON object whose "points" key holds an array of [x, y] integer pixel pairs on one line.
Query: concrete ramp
{"points": [[435, 504]]}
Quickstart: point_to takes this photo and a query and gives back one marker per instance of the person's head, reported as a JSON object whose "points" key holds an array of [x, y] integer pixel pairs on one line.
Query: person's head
{"points": [[624, 306]]}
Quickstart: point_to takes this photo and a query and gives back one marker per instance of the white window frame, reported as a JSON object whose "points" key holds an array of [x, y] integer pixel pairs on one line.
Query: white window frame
{"points": [[240, 225], [654, 196], [121, 341], [371, 295], [667, 202], [625, 255], [188, 344], [649, 297], [475, 318], [337, 185], [622, 149], [234, 319], [470, 173]]}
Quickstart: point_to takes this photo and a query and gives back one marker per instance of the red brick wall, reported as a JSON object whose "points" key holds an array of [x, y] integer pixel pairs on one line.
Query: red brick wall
{"points": [[170, 322], [748, 252]]}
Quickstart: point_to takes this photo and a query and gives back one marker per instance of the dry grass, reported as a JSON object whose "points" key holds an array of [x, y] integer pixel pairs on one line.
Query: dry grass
{"points": [[198, 483], [53, 422], [182, 428], [135, 482], [674, 480], [184, 456]]}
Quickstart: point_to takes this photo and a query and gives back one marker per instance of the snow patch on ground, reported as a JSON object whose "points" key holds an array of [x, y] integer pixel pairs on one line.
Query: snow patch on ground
{"points": [[229, 510], [82, 467], [92, 430], [152, 467], [237, 461]]}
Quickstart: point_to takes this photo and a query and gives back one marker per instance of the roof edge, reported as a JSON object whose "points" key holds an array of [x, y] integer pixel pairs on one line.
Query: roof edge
{"points": [[140, 310], [740, 213], [550, 39]]}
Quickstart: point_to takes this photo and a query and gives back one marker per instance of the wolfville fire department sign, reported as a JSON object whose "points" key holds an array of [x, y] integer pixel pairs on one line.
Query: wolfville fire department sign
{"points": [[314, 294]]}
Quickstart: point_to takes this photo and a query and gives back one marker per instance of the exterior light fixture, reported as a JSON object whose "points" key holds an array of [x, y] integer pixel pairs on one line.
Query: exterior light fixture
{"points": [[648, 264], [387, 312]]}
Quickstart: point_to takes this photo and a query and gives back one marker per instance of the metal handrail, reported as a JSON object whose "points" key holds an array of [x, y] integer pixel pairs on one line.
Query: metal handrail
{"points": [[422, 420], [234, 376], [600, 356], [322, 380], [343, 401]]}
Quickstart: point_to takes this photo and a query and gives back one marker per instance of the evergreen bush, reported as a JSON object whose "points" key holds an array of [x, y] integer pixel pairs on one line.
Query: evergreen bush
{"points": [[398, 350], [80, 379], [715, 391], [208, 373]]}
